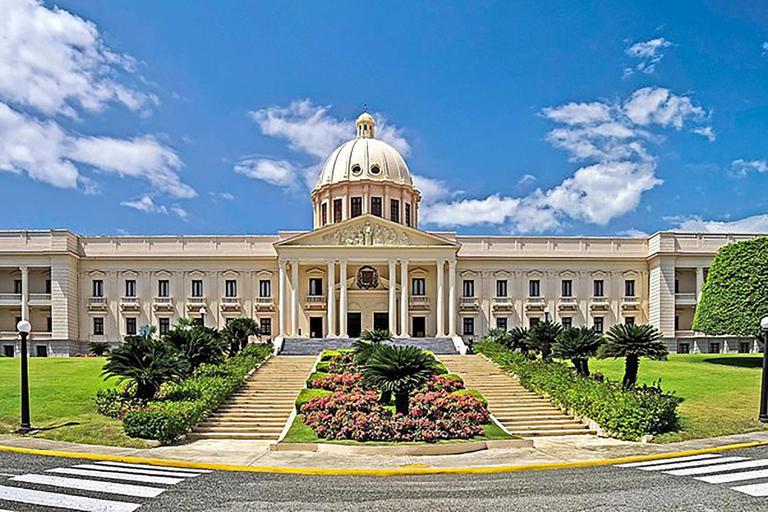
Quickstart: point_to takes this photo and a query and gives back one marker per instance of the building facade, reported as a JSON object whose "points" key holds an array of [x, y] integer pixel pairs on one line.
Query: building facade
{"points": [[365, 265]]}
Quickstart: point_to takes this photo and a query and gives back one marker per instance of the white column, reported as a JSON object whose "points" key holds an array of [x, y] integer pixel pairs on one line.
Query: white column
{"points": [[451, 298], [343, 298], [392, 297], [440, 298], [24, 293], [283, 303], [331, 300], [699, 282], [294, 298], [404, 327]]}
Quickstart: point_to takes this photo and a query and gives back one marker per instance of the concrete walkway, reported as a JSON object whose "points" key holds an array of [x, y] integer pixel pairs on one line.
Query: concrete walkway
{"points": [[256, 453]]}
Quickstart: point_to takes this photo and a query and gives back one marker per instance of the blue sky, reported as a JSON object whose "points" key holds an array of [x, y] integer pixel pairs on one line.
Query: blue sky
{"points": [[141, 117]]}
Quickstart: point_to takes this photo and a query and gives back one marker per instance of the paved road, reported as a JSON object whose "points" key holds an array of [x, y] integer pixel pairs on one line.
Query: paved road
{"points": [[736, 480]]}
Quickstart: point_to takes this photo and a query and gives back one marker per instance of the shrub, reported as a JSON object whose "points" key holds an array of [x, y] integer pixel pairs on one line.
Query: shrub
{"points": [[628, 414], [116, 402], [734, 297], [308, 394], [343, 362], [337, 382], [236, 333], [182, 405], [448, 383]]}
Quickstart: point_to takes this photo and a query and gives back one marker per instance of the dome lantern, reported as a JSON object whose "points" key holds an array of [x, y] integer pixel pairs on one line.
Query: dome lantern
{"points": [[365, 126]]}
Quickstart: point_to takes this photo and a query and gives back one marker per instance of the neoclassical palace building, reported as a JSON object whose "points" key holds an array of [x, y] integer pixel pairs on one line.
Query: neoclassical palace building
{"points": [[364, 265]]}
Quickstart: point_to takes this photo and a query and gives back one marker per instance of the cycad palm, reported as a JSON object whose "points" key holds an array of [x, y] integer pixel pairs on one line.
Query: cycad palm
{"points": [[577, 344], [195, 344], [236, 333], [146, 361], [398, 370], [632, 342], [367, 343], [541, 336]]}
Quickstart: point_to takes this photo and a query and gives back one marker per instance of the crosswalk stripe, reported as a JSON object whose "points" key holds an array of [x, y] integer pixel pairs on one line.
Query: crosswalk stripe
{"points": [[139, 491], [136, 471], [690, 464], [117, 476], [721, 468], [667, 461], [753, 490], [150, 466], [52, 499], [734, 477]]}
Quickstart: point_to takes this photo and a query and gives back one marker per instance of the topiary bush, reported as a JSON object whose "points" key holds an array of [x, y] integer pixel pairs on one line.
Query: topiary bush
{"points": [[735, 295], [627, 414]]}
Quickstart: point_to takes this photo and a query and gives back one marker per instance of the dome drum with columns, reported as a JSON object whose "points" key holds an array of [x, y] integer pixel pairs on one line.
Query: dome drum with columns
{"points": [[365, 175]]}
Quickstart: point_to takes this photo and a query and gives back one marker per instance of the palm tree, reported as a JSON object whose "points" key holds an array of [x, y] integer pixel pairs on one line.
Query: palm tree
{"points": [[99, 348], [195, 344], [146, 361], [541, 336], [500, 336], [577, 344], [366, 344], [376, 335], [518, 339], [399, 370], [237, 331], [632, 342]]}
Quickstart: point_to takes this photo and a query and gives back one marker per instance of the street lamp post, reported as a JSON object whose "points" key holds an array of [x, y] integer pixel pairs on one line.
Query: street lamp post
{"points": [[764, 389], [24, 327], [203, 311]]}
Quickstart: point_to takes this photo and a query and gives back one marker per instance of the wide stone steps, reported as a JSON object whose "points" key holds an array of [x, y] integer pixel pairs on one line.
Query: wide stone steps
{"points": [[313, 346], [260, 409], [521, 411]]}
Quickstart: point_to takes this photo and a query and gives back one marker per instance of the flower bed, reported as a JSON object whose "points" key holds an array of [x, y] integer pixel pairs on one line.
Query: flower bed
{"points": [[180, 406], [645, 410], [346, 410]]}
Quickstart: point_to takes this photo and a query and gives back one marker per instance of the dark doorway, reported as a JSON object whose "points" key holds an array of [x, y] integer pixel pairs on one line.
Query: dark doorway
{"points": [[381, 321], [419, 327], [315, 327], [354, 324]]}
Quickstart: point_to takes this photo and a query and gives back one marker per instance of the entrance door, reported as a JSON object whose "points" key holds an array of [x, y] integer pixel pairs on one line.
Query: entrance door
{"points": [[419, 327], [354, 324], [381, 321], [315, 327]]}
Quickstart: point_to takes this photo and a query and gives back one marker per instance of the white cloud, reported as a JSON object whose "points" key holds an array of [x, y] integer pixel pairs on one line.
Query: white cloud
{"points": [[633, 233], [432, 190], [706, 132], [612, 139], [57, 63], [181, 212], [753, 224], [765, 47], [741, 167], [526, 179], [650, 54], [657, 105], [47, 153], [226, 196], [310, 131], [145, 204]]}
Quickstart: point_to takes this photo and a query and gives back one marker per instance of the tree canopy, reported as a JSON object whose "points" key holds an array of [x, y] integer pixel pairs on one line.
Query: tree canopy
{"points": [[735, 295]]}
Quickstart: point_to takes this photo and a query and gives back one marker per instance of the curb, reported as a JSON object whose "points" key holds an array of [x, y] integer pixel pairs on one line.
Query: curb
{"points": [[376, 472]]}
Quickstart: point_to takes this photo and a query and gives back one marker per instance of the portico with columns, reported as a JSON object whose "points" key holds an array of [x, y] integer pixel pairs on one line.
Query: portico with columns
{"points": [[366, 273]]}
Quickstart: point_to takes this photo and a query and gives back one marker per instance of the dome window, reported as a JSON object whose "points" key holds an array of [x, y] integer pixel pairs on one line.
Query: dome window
{"points": [[356, 170], [375, 170]]}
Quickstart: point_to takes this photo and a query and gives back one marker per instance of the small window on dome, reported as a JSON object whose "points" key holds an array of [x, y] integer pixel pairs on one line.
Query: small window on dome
{"points": [[356, 169], [375, 170]]}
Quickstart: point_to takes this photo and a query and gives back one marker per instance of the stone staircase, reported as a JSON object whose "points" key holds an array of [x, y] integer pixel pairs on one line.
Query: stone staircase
{"points": [[261, 407], [313, 346], [522, 412]]}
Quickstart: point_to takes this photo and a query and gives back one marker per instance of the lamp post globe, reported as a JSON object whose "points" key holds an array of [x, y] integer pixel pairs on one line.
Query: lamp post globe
{"points": [[202, 312], [764, 388], [24, 328]]}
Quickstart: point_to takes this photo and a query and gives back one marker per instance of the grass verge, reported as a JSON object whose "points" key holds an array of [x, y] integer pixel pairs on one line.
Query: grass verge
{"points": [[721, 391], [61, 392]]}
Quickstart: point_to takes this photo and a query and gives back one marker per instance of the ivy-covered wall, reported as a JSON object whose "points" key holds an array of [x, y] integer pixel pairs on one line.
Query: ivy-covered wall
{"points": [[735, 295]]}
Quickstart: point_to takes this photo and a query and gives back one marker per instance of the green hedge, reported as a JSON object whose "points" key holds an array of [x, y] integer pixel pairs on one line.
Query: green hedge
{"points": [[735, 295], [625, 414], [182, 405]]}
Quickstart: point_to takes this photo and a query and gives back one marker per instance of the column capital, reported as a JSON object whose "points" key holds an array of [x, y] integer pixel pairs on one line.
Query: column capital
{"points": [[24, 269]]}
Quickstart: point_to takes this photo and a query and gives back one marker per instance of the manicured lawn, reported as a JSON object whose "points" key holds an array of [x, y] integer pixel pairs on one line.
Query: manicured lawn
{"points": [[61, 391], [721, 391]]}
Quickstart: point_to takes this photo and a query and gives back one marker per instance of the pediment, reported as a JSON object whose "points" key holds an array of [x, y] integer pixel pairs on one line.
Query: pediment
{"points": [[367, 231]]}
